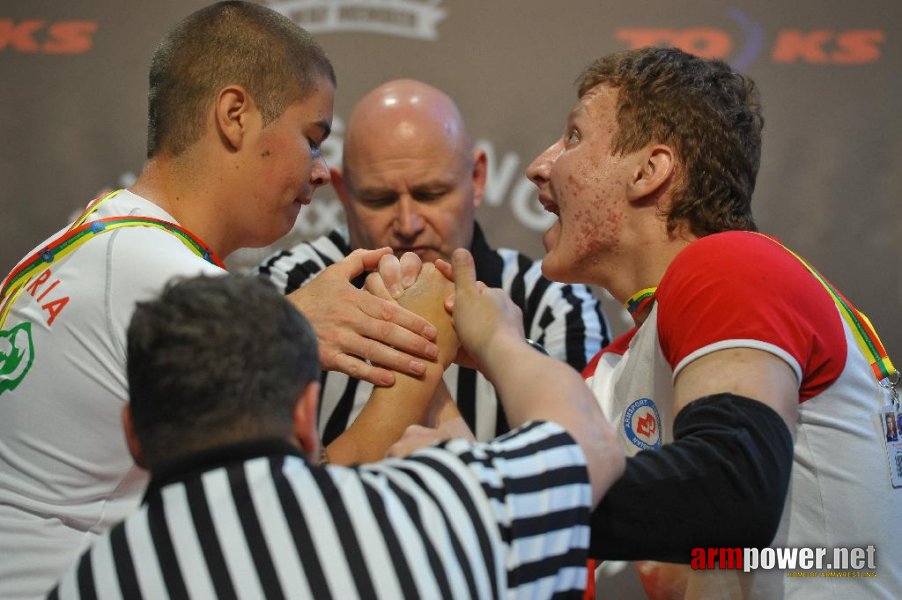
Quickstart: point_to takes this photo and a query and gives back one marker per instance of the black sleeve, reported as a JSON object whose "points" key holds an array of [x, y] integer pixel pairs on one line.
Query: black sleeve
{"points": [[721, 483]]}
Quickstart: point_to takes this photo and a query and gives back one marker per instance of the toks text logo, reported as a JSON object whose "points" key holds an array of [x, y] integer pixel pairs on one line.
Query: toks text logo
{"points": [[417, 19], [816, 46], [41, 37]]}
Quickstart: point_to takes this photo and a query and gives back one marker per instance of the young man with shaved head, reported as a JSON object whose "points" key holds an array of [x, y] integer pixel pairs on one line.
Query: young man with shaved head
{"points": [[411, 179]]}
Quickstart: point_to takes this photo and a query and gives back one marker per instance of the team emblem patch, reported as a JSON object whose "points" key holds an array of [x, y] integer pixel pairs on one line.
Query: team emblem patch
{"points": [[16, 355], [642, 424]]}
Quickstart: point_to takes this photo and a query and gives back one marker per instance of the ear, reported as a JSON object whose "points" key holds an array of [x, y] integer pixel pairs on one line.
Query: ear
{"points": [[338, 182], [233, 110], [134, 446], [480, 166], [305, 421], [654, 169]]}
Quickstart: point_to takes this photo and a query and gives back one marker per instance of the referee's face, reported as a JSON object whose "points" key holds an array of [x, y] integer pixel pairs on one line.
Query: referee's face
{"points": [[410, 185]]}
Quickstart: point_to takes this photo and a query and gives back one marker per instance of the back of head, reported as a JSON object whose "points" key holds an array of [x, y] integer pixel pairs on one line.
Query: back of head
{"points": [[228, 43], [703, 109], [216, 360]]}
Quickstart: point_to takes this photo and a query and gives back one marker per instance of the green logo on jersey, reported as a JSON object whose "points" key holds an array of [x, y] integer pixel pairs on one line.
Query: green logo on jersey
{"points": [[16, 355]]}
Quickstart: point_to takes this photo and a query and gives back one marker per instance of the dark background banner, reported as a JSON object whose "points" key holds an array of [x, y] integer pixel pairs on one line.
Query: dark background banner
{"points": [[73, 98], [73, 86]]}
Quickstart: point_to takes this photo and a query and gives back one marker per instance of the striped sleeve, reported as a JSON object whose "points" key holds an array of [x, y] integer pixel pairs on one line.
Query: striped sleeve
{"points": [[537, 498], [291, 269], [566, 319]]}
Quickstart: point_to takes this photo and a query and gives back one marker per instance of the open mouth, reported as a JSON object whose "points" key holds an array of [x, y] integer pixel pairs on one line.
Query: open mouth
{"points": [[549, 206]]}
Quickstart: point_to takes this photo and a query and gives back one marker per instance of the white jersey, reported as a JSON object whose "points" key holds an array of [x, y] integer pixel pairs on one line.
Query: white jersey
{"points": [[65, 472], [743, 290]]}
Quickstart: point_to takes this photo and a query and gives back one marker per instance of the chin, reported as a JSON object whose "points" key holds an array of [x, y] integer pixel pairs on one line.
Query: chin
{"points": [[554, 271]]}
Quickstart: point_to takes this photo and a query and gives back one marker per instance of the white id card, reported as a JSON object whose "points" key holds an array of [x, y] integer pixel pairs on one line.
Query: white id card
{"points": [[891, 425]]}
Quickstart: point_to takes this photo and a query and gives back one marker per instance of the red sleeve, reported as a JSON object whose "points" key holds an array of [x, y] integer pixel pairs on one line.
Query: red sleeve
{"points": [[741, 289]]}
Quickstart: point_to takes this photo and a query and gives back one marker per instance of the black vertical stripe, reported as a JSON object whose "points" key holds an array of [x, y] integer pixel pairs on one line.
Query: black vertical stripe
{"points": [[162, 543], [395, 552], [435, 563], [125, 567], [532, 304], [501, 424], [456, 545], [518, 286], [210, 543], [340, 417], [466, 499], [466, 395], [85, 578], [300, 532], [576, 334], [353, 554], [253, 533], [546, 320], [54, 593]]}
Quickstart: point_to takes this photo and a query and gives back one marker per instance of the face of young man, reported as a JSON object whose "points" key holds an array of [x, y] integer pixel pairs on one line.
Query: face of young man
{"points": [[286, 166], [585, 186], [415, 191]]}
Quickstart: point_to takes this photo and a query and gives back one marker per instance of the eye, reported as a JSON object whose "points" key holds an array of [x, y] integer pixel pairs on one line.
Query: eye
{"points": [[427, 196], [572, 136]]}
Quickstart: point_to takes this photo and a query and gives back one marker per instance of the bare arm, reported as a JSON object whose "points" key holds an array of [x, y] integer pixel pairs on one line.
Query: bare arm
{"points": [[354, 326], [391, 409], [489, 325]]}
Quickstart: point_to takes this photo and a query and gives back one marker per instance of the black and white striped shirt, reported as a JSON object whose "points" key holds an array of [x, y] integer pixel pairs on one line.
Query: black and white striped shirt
{"points": [[507, 519], [566, 319]]}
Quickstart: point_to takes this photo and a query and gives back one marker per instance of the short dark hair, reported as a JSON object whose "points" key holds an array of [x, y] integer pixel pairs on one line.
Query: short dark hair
{"points": [[707, 112], [216, 360], [228, 43]]}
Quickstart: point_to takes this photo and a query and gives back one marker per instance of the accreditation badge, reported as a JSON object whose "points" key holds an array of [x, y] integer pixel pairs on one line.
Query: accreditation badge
{"points": [[891, 425]]}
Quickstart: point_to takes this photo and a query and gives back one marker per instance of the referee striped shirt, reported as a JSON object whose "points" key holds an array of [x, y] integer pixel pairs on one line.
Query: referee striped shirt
{"points": [[566, 319], [505, 519]]}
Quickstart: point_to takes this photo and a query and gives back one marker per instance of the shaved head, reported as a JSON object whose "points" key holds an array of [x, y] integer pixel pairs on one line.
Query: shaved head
{"points": [[410, 176], [402, 113]]}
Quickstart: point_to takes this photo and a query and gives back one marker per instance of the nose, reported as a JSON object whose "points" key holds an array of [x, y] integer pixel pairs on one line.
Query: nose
{"points": [[408, 222], [319, 174], [539, 170]]}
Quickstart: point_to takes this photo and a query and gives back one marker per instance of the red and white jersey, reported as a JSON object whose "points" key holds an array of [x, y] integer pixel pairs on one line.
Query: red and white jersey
{"points": [[744, 290], [65, 472]]}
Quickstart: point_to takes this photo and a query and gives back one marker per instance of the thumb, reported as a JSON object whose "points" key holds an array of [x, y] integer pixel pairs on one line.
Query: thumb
{"points": [[464, 271], [360, 260]]}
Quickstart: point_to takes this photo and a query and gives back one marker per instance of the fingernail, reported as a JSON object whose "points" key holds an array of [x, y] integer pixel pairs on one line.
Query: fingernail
{"points": [[417, 368], [396, 290], [432, 351], [407, 281], [431, 333]]}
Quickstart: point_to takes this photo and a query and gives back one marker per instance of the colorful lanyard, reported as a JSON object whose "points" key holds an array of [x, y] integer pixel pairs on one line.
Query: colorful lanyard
{"points": [[80, 232], [862, 330], [860, 326], [637, 303]]}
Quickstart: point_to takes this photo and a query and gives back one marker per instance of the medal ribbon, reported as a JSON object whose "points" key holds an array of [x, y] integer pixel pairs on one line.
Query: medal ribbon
{"points": [[862, 330], [637, 303], [81, 232]]}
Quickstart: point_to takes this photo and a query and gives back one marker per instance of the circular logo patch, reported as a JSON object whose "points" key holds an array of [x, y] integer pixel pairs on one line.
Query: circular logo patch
{"points": [[642, 424]]}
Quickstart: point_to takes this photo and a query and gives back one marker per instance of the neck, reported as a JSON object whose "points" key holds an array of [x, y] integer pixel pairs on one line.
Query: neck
{"points": [[189, 195], [645, 263]]}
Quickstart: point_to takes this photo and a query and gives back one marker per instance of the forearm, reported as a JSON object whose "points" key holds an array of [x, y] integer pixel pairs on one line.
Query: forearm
{"points": [[721, 483], [389, 411]]}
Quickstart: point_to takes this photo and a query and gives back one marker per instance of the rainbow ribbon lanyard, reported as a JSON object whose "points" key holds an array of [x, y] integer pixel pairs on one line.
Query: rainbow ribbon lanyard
{"points": [[80, 232], [637, 303]]}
